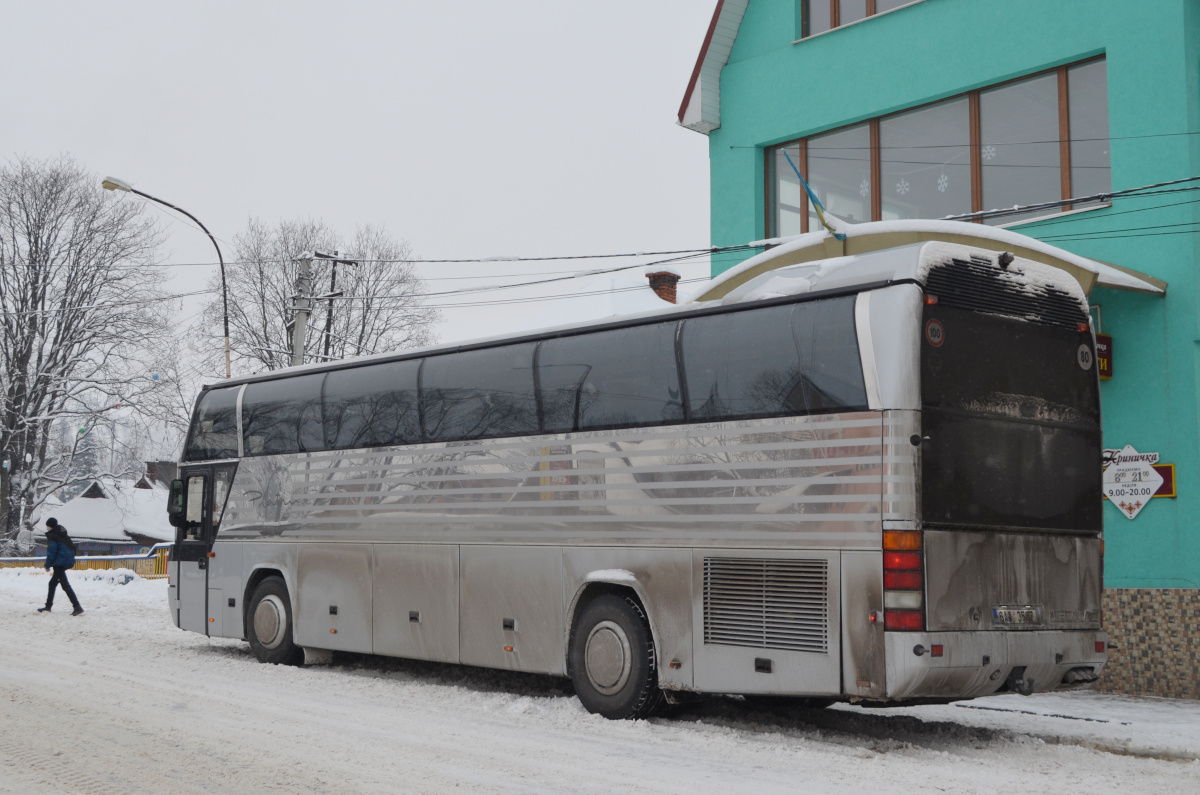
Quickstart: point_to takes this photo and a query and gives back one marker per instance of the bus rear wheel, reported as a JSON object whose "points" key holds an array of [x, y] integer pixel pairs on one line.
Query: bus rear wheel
{"points": [[269, 628], [612, 660]]}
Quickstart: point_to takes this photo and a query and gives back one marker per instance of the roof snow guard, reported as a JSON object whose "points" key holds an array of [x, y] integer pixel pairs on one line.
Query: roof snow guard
{"points": [[701, 108]]}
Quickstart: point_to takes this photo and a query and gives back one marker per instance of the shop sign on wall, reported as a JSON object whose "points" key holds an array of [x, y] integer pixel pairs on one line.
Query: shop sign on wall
{"points": [[1104, 359], [1131, 479]]}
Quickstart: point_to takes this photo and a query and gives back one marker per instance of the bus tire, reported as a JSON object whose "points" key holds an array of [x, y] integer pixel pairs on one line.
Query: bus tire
{"points": [[269, 628], [612, 660]]}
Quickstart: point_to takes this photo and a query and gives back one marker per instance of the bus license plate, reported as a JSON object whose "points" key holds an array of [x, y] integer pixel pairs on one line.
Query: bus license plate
{"points": [[1017, 616]]}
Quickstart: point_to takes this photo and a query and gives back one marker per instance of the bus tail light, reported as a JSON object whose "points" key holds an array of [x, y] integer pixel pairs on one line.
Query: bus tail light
{"points": [[903, 581], [1099, 647], [904, 620]]}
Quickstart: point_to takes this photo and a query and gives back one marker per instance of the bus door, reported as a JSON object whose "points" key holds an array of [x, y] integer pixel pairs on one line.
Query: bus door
{"points": [[193, 541]]}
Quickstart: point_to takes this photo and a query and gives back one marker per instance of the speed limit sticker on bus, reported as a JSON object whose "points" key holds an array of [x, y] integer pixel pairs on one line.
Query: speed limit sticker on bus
{"points": [[935, 334]]}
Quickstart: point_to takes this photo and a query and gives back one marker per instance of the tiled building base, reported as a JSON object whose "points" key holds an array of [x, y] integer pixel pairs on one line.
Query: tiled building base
{"points": [[1154, 642]]}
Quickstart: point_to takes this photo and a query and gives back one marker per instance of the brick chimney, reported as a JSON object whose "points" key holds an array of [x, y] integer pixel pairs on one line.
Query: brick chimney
{"points": [[663, 283]]}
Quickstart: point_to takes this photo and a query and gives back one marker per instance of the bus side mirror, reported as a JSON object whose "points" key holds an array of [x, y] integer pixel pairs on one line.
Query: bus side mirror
{"points": [[175, 504]]}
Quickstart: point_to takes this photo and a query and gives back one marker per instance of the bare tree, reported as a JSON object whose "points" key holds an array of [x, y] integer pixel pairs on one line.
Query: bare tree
{"points": [[80, 334], [381, 307]]}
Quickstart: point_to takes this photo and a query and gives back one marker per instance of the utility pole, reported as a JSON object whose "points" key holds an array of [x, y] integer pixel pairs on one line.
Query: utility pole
{"points": [[304, 302], [302, 307], [331, 295]]}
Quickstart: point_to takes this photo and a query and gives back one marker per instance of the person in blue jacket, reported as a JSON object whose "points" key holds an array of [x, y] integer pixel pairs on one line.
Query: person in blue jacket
{"points": [[60, 556]]}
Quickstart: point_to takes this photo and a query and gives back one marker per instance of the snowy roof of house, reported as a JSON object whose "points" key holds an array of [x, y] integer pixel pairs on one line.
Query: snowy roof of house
{"points": [[701, 108], [123, 510]]}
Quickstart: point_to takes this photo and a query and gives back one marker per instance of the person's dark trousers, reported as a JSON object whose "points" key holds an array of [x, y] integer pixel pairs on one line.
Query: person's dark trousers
{"points": [[60, 576]]}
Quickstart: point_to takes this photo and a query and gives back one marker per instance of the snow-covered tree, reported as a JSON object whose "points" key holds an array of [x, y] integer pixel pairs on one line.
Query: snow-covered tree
{"points": [[80, 334], [381, 307]]}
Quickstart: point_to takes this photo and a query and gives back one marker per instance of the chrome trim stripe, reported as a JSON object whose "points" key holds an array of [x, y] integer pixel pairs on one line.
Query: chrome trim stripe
{"points": [[815, 480]]}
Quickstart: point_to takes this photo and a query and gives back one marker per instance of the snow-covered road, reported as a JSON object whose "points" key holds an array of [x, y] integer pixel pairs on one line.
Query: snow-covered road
{"points": [[120, 700]]}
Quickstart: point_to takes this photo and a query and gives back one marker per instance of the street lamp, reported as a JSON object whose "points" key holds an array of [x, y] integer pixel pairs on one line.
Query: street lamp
{"points": [[112, 183]]}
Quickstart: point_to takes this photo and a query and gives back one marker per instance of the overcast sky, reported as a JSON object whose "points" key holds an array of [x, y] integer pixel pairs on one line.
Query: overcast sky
{"points": [[471, 129]]}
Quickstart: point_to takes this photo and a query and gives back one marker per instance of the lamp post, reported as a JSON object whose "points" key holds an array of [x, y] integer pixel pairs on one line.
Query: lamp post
{"points": [[112, 183]]}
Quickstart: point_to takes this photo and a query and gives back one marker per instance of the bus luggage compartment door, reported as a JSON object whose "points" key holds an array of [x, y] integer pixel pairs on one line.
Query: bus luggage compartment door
{"points": [[512, 608], [333, 597], [767, 622]]}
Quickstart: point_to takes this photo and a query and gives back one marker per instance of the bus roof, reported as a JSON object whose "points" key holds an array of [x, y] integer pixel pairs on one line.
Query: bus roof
{"points": [[835, 264]]}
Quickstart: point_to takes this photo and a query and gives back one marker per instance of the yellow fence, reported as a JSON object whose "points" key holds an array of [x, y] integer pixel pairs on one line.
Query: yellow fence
{"points": [[151, 565]]}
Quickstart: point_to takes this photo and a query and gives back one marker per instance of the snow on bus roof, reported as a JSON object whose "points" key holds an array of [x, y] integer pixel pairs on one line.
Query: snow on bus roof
{"points": [[877, 235]]}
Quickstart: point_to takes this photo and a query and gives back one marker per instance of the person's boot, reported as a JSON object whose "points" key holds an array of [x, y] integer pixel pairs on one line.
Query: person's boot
{"points": [[45, 609], [78, 611]]}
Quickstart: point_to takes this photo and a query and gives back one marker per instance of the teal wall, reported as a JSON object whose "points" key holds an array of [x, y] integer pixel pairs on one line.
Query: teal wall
{"points": [[773, 90]]}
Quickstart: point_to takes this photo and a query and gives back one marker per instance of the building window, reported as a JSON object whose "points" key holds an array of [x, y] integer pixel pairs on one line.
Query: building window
{"points": [[1018, 130], [925, 161], [1036, 139], [1087, 101], [819, 16], [839, 172]]}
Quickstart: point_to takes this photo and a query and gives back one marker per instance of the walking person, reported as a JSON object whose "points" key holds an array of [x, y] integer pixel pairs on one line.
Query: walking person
{"points": [[60, 556]]}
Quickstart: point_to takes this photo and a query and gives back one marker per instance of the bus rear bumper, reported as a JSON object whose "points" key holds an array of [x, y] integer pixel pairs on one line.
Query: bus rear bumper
{"points": [[972, 664]]}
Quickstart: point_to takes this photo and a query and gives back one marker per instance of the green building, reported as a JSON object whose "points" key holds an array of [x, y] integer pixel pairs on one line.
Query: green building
{"points": [[896, 109]]}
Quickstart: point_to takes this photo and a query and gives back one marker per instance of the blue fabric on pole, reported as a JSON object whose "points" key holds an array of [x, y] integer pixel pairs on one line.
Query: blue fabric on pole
{"points": [[813, 196]]}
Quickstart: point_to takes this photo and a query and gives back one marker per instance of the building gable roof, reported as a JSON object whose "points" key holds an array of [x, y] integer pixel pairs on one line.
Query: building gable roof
{"points": [[701, 108]]}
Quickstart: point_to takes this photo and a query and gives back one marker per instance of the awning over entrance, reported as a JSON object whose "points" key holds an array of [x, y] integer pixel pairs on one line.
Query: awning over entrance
{"points": [[878, 235]]}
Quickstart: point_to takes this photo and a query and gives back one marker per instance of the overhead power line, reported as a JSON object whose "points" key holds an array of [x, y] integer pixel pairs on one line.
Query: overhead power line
{"points": [[1144, 190], [483, 260]]}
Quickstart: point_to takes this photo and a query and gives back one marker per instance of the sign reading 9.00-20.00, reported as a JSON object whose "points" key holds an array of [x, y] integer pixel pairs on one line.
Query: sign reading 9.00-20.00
{"points": [[1130, 479]]}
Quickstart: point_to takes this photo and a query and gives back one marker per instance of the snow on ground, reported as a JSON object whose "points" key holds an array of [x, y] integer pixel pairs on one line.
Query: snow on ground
{"points": [[118, 699]]}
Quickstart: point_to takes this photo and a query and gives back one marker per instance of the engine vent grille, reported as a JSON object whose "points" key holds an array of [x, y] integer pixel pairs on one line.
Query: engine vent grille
{"points": [[980, 285], [767, 604]]}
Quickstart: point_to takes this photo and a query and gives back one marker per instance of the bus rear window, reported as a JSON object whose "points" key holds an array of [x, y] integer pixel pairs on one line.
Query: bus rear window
{"points": [[1004, 366], [214, 428], [1011, 420]]}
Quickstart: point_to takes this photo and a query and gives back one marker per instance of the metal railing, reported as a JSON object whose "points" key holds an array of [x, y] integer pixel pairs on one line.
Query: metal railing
{"points": [[152, 564]]}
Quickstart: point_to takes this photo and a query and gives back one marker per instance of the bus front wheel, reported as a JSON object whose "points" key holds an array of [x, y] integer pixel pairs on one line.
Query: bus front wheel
{"points": [[611, 659], [269, 629]]}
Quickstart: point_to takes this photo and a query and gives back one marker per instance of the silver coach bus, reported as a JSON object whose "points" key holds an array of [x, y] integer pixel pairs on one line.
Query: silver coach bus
{"points": [[873, 478]]}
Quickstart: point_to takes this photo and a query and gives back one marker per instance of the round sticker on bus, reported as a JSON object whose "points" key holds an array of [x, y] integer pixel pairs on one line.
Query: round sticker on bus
{"points": [[1084, 357], [935, 335]]}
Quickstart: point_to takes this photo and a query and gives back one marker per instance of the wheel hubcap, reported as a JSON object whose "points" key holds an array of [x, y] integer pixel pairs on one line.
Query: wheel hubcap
{"points": [[270, 620], [608, 657]]}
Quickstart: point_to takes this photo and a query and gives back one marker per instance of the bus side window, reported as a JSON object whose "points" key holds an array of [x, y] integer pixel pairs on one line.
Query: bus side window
{"points": [[283, 416], [372, 406], [623, 378], [775, 361], [741, 364], [479, 394], [827, 342]]}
